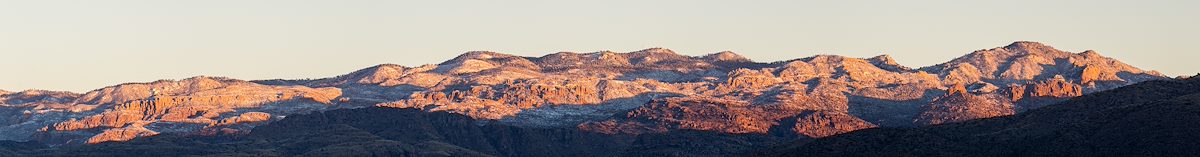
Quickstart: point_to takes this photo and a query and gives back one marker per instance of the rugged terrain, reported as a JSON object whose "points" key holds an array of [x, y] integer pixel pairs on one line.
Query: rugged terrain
{"points": [[652, 91], [127, 111], [411, 132], [1155, 118]]}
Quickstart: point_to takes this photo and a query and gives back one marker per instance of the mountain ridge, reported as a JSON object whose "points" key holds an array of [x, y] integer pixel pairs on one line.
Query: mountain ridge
{"points": [[650, 90]]}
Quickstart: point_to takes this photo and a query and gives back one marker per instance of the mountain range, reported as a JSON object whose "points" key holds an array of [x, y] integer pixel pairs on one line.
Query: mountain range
{"points": [[637, 102]]}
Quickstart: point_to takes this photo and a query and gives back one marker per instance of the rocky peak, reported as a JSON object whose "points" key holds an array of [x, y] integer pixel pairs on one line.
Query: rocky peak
{"points": [[606, 58], [725, 56], [476, 55], [887, 63], [1025, 45], [824, 58], [560, 58], [204, 79], [862, 72], [40, 92], [1090, 54], [831, 61], [384, 67], [562, 54], [654, 55], [477, 61], [655, 51], [200, 83], [843, 60], [1089, 66], [820, 62], [883, 59], [601, 54], [35, 96], [572, 60], [1035, 48], [377, 74], [1025, 62]]}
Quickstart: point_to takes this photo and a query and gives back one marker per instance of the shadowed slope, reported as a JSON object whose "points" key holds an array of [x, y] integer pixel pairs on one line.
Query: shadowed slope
{"points": [[1155, 118], [409, 132]]}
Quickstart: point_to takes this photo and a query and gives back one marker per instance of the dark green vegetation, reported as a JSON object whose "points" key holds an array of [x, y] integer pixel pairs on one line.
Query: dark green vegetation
{"points": [[409, 132], [11, 148], [1155, 118]]}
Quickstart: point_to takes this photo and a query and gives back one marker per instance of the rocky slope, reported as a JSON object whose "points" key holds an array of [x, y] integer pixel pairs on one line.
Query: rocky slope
{"points": [[411, 132], [1147, 119], [127, 111], [1155, 118], [656, 89], [648, 91]]}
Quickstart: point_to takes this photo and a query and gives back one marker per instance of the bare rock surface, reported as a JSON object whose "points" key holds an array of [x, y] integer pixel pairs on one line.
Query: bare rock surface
{"points": [[727, 93], [646, 91], [126, 111], [824, 124]]}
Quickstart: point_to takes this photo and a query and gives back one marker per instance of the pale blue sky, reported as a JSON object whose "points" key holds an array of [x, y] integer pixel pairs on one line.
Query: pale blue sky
{"points": [[88, 44]]}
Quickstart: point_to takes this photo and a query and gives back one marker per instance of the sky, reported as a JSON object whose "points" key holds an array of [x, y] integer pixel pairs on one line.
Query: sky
{"points": [[81, 45]]}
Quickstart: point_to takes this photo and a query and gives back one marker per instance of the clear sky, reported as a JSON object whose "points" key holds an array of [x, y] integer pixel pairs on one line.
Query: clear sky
{"points": [[88, 44]]}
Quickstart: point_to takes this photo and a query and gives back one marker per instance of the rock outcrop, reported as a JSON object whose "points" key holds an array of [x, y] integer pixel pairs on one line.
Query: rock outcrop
{"points": [[824, 124], [248, 117], [710, 114], [962, 106], [120, 134], [1056, 87]]}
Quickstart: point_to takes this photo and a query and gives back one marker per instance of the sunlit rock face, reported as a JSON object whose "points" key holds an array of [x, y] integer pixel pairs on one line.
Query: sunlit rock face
{"points": [[127, 111], [647, 91], [824, 124], [656, 89], [959, 105]]}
